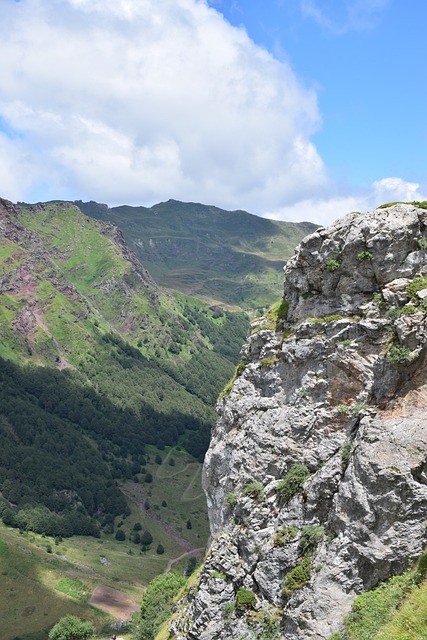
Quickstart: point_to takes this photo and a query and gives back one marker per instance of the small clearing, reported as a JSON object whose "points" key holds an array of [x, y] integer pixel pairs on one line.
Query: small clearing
{"points": [[114, 602]]}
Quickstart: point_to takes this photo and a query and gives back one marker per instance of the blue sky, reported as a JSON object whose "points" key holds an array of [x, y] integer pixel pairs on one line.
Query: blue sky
{"points": [[369, 69], [294, 109]]}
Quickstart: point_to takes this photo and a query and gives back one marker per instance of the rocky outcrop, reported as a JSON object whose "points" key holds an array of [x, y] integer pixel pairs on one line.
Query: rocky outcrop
{"points": [[316, 476]]}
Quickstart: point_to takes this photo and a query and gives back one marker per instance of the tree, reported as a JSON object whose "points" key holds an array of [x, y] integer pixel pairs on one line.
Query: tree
{"points": [[120, 535], [146, 538], [191, 565], [72, 628], [160, 549], [189, 525]]}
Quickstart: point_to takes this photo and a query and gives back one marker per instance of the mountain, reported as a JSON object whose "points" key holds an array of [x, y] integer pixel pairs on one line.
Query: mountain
{"points": [[316, 475], [96, 362], [231, 258]]}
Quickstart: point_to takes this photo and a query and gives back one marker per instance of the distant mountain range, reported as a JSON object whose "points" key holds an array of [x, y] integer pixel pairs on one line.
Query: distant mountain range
{"points": [[231, 258], [96, 361]]}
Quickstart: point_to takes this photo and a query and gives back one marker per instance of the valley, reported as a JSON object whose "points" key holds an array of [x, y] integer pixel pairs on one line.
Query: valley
{"points": [[108, 389], [103, 579], [116, 377]]}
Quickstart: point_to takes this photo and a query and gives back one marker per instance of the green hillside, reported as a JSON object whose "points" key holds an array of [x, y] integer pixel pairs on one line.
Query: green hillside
{"points": [[96, 363], [394, 610], [228, 257]]}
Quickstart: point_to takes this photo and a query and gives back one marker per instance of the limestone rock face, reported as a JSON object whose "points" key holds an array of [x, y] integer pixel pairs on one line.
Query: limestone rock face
{"points": [[316, 476]]}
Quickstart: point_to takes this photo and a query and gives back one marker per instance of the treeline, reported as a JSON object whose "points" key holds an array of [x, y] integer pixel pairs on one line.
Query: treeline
{"points": [[227, 335], [66, 437], [63, 443], [206, 374]]}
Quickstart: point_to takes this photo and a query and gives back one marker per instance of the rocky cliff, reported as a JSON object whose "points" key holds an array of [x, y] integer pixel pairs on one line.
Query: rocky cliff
{"points": [[316, 475]]}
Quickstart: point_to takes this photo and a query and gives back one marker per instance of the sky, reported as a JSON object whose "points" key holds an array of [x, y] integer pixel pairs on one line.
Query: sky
{"points": [[290, 109]]}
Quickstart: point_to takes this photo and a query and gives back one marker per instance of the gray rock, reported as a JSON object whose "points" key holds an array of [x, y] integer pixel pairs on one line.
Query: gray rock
{"points": [[329, 397]]}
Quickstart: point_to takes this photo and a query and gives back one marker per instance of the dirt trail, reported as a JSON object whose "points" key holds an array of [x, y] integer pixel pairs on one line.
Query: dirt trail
{"points": [[139, 500], [63, 363], [196, 553]]}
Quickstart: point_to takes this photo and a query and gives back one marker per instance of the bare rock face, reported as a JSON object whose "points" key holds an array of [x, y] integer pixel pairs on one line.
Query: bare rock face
{"points": [[316, 476]]}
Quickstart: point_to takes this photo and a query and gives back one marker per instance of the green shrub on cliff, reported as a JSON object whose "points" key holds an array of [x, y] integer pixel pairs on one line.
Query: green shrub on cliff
{"points": [[293, 481]]}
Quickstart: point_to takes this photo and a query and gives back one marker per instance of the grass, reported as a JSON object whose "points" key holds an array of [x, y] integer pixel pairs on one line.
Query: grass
{"points": [[37, 588], [410, 621], [234, 259], [30, 605], [293, 481], [298, 577], [253, 490], [422, 205], [322, 319], [74, 588], [394, 610], [285, 536]]}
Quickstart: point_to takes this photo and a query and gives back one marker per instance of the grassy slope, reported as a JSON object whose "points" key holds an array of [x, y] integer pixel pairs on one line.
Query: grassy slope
{"points": [[68, 283], [30, 603], [395, 610], [230, 257]]}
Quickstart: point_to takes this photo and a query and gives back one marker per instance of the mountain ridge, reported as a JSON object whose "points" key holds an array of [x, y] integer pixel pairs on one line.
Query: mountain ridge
{"points": [[90, 344], [232, 258]]}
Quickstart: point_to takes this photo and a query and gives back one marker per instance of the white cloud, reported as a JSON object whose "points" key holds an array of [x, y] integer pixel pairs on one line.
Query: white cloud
{"points": [[137, 101], [341, 17], [396, 189], [324, 211]]}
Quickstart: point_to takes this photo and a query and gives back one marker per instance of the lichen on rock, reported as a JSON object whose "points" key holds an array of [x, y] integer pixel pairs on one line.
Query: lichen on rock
{"points": [[338, 400]]}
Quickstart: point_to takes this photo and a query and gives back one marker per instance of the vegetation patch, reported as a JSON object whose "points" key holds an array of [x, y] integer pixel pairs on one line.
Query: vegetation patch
{"points": [[293, 481], [265, 624], [72, 628], [343, 409], [332, 265], [273, 318], [371, 610], [345, 455], [254, 490], [157, 603], [421, 205], [74, 588], [245, 598], [298, 577], [408, 309], [231, 498], [228, 610], [416, 285], [365, 255], [228, 387], [311, 536], [268, 362], [219, 575], [320, 320], [285, 536], [395, 610], [400, 355]]}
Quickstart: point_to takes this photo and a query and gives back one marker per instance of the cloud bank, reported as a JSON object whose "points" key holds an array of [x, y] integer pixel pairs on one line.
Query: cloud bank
{"points": [[136, 101], [324, 211]]}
